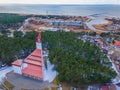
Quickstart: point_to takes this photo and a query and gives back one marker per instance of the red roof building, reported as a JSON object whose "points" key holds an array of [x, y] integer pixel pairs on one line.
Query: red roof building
{"points": [[31, 66], [17, 63], [116, 43], [34, 65], [108, 87], [39, 39], [104, 87]]}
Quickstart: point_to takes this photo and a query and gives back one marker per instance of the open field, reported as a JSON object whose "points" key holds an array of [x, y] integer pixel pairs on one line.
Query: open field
{"points": [[102, 26]]}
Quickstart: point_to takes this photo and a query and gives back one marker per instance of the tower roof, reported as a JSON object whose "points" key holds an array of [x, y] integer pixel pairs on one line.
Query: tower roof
{"points": [[35, 58], [39, 39], [34, 64]]}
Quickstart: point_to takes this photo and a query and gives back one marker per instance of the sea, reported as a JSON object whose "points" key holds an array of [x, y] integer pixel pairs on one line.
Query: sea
{"points": [[56, 9]]}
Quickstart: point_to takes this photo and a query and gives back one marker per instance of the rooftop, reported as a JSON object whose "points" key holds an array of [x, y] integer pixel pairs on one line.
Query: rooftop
{"points": [[35, 58], [34, 67], [33, 71], [17, 62], [117, 43]]}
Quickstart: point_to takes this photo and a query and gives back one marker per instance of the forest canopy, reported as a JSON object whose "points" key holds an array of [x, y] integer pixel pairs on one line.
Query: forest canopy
{"points": [[76, 61]]}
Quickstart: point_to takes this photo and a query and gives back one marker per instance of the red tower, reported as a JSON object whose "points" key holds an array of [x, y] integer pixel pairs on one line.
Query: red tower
{"points": [[32, 65]]}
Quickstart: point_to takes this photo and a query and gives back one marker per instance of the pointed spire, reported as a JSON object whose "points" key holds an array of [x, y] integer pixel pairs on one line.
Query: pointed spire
{"points": [[39, 39]]}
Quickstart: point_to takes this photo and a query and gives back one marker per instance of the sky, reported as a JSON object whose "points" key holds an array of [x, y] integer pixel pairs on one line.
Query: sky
{"points": [[60, 1]]}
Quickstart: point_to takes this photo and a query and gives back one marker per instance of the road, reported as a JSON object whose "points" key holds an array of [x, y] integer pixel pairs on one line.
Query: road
{"points": [[4, 71]]}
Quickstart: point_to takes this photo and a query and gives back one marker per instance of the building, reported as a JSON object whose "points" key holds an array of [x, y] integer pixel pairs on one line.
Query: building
{"points": [[31, 66], [108, 87], [116, 43]]}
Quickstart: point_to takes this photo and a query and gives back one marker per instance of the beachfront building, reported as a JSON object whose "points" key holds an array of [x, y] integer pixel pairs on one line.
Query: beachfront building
{"points": [[61, 22], [58, 22], [49, 28], [33, 65]]}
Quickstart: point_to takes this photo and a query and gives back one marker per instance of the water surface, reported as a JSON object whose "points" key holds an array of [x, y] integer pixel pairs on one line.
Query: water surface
{"points": [[82, 10]]}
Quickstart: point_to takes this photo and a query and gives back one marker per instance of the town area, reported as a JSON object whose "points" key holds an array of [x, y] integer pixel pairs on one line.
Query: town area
{"points": [[100, 31]]}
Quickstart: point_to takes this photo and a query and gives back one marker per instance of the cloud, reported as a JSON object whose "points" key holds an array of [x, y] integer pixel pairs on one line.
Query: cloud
{"points": [[62, 1]]}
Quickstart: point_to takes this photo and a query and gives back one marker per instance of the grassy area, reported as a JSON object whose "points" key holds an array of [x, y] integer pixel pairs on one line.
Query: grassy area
{"points": [[55, 81], [51, 89], [8, 85], [100, 26], [65, 86]]}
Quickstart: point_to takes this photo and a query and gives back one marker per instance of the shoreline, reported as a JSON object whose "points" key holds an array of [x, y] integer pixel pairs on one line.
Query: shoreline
{"points": [[43, 14], [91, 22], [90, 16]]}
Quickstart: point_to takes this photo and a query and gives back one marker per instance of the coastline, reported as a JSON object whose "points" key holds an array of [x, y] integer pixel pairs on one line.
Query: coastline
{"points": [[42, 14], [93, 23], [61, 9]]}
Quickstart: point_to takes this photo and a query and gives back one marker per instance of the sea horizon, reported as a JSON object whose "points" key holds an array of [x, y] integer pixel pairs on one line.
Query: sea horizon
{"points": [[62, 9]]}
